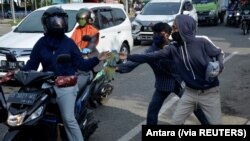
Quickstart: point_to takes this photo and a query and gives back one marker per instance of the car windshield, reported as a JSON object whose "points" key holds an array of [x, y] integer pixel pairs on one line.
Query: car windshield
{"points": [[165, 8], [33, 24], [202, 1]]}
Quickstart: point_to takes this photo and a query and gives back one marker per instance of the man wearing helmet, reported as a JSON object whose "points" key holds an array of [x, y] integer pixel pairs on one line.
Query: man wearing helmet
{"points": [[85, 18], [47, 49]]}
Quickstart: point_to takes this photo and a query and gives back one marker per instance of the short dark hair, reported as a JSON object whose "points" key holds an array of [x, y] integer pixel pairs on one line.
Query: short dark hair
{"points": [[162, 27]]}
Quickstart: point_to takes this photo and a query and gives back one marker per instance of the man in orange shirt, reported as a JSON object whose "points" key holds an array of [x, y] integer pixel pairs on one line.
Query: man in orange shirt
{"points": [[85, 19]]}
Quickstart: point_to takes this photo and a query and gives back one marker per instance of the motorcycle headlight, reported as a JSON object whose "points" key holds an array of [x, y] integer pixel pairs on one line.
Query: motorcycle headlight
{"points": [[16, 120], [237, 14], [36, 114], [212, 12], [135, 27]]}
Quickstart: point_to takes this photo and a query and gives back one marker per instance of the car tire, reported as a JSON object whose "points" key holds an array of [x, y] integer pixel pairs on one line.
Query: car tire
{"points": [[124, 48], [215, 21], [137, 42]]}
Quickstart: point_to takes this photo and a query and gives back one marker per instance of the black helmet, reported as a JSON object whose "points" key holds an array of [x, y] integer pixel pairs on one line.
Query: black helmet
{"points": [[55, 21], [86, 14]]}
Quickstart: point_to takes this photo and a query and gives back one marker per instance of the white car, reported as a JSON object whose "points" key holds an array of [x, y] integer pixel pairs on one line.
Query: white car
{"points": [[159, 11], [115, 34]]}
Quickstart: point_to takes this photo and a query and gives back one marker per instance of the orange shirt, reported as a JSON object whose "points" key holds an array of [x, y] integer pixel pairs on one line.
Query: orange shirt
{"points": [[81, 31]]}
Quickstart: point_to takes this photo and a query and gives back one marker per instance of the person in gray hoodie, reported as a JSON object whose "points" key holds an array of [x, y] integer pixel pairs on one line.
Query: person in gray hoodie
{"points": [[191, 55]]}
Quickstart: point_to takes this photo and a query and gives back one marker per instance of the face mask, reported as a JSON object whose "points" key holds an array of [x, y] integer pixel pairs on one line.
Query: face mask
{"points": [[159, 40], [82, 22], [176, 36]]}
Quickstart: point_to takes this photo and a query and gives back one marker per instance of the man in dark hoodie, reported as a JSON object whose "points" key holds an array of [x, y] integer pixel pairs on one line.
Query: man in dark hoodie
{"points": [[191, 55], [166, 80]]}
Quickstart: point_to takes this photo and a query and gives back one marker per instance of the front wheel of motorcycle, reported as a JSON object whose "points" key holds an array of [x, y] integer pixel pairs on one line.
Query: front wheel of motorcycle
{"points": [[104, 93]]}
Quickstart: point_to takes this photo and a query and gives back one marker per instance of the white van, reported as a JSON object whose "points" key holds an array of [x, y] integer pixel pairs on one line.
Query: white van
{"points": [[159, 11]]}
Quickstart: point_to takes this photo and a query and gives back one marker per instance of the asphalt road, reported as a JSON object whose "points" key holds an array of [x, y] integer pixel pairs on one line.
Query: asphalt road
{"points": [[121, 117]]}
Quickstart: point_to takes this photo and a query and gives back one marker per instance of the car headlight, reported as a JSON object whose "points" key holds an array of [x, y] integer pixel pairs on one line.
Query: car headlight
{"points": [[16, 120], [136, 27], [212, 12]]}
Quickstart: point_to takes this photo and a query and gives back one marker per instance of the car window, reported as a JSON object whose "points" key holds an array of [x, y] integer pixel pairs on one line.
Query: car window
{"points": [[166, 8], [33, 23], [202, 1], [118, 15], [106, 19], [96, 22]]}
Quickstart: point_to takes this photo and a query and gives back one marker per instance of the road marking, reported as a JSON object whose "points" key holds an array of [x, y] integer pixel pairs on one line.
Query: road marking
{"points": [[230, 56], [128, 136], [133, 132]]}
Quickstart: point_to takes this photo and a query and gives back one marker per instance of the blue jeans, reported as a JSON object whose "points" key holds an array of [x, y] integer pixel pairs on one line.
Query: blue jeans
{"points": [[156, 104], [66, 98]]}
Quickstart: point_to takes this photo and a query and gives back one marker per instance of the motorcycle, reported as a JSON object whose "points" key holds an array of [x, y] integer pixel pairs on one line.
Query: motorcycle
{"points": [[245, 22], [33, 113], [233, 15], [101, 84]]}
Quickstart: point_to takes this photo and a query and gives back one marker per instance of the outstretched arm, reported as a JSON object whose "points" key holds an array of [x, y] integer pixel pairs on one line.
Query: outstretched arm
{"points": [[127, 67], [147, 57]]}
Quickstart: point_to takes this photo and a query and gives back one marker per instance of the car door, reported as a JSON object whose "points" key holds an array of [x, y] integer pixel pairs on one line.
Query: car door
{"points": [[104, 22], [122, 29]]}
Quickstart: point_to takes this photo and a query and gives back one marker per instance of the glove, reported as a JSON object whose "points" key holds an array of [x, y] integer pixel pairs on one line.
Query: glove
{"points": [[7, 76], [86, 51]]}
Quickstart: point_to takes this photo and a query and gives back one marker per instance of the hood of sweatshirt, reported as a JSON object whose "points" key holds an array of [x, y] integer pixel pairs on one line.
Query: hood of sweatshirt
{"points": [[186, 26], [193, 54]]}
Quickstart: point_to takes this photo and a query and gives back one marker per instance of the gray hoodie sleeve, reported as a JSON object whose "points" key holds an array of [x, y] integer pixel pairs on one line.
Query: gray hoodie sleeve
{"points": [[214, 51]]}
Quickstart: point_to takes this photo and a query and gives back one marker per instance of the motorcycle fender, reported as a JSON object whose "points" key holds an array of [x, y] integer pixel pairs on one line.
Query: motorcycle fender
{"points": [[3, 107], [10, 135]]}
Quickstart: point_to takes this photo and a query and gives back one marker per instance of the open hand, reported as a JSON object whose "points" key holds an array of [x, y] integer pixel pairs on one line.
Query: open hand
{"points": [[103, 55], [123, 55], [7, 76]]}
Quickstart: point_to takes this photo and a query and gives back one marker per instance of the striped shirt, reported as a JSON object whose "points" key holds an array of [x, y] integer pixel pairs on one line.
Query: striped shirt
{"points": [[164, 79]]}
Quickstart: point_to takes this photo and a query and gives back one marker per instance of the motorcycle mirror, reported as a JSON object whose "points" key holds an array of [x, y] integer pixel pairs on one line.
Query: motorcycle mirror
{"points": [[10, 57], [63, 59], [86, 38]]}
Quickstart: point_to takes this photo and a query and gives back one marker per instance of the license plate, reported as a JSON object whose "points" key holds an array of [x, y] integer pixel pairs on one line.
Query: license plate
{"points": [[11, 65], [22, 98]]}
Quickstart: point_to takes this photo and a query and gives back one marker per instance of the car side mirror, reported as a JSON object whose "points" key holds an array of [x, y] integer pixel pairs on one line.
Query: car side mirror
{"points": [[86, 38], [63, 59]]}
